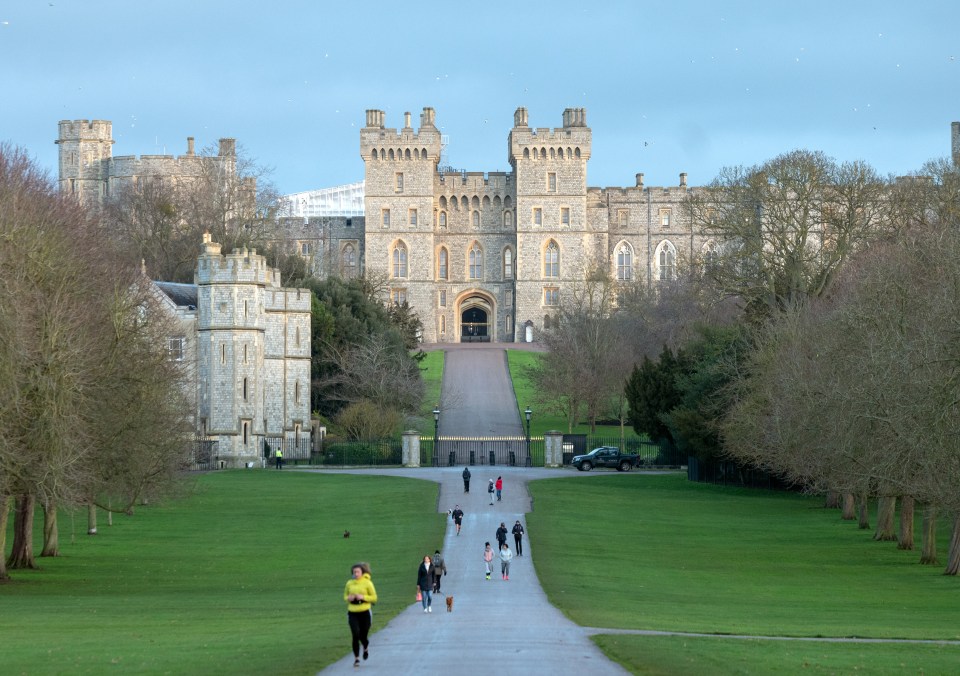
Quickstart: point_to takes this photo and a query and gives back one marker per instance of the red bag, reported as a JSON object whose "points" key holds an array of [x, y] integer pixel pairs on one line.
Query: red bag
{"points": [[419, 595]]}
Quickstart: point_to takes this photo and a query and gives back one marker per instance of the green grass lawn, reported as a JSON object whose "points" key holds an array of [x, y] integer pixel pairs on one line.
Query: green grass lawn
{"points": [[657, 552], [671, 655], [245, 576], [431, 370]]}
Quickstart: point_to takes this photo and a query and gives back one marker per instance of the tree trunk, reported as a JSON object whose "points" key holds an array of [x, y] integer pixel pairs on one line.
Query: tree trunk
{"points": [[91, 519], [905, 536], [4, 517], [886, 511], [928, 552], [831, 500], [51, 535], [21, 555], [848, 513], [953, 556], [863, 512]]}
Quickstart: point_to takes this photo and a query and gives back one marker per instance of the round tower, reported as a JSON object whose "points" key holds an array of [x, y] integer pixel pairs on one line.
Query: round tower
{"points": [[85, 153]]}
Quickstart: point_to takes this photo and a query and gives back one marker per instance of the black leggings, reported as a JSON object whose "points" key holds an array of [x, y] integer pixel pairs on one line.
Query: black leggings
{"points": [[359, 628]]}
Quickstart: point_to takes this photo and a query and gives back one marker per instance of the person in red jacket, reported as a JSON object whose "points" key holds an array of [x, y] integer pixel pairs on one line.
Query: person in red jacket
{"points": [[499, 487]]}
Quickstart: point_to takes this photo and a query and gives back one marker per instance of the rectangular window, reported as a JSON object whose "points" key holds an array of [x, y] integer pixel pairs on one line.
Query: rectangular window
{"points": [[398, 296], [175, 347], [413, 218], [564, 216], [665, 218], [551, 296], [443, 298], [385, 217], [623, 218], [551, 182], [304, 248], [538, 216], [508, 298], [399, 182]]}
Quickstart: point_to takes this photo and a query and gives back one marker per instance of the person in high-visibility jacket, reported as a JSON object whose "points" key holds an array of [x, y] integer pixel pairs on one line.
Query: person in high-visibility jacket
{"points": [[279, 456], [359, 594]]}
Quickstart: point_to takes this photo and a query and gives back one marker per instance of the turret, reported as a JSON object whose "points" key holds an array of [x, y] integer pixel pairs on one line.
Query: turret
{"points": [[85, 152]]}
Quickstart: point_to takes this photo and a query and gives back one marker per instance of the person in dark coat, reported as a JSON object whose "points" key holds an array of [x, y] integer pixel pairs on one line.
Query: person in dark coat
{"points": [[501, 536], [466, 479], [518, 537], [439, 570], [457, 515], [425, 583]]}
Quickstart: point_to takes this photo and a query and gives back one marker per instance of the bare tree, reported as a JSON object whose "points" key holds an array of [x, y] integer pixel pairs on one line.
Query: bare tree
{"points": [[783, 228]]}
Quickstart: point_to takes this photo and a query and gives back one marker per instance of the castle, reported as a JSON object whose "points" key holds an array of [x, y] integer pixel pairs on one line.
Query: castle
{"points": [[478, 256], [490, 256], [89, 170]]}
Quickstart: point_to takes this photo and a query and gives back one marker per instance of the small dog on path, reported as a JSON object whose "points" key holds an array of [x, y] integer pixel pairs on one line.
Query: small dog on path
{"points": [[449, 604]]}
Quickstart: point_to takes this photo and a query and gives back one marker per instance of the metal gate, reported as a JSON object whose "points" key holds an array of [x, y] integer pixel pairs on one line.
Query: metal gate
{"points": [[492, 451]]}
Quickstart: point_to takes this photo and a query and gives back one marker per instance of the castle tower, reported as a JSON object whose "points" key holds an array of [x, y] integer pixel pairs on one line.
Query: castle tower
{"points": [[85, 152], [230, 349], [553, 245], [400, 166]]}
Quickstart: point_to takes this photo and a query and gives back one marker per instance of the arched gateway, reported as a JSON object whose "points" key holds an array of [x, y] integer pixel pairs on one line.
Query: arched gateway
{"points": [[476, 314]]}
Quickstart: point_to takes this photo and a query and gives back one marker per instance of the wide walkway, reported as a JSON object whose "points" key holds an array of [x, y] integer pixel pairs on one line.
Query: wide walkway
{"points": [[497, 627]]}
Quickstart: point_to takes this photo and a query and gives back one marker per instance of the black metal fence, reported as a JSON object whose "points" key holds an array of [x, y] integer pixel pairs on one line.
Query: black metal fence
{"points": [[204, 453], [446, 451], [513, 451], [727, 473], [295, 451]]}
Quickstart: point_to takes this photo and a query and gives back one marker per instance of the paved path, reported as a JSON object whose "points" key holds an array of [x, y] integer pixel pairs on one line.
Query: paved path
{"points": [[478, 397], [497, 627]]}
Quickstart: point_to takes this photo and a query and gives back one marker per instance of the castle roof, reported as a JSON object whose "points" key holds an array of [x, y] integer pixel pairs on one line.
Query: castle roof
{"points": [[182, 295]]}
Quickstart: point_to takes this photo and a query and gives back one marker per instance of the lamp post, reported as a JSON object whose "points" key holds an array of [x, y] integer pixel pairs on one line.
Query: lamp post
{"points": [[527, 413], [436, 435]]}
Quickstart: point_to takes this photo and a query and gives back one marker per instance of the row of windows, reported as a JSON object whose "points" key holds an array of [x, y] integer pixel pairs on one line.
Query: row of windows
{"points": [[665, 257], [554, 153], [536, 217], [464, 203], [398, 154], [399, 266]]}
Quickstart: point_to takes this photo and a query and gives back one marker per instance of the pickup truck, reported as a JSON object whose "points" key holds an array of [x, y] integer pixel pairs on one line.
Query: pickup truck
{"points": [[606, 456]]}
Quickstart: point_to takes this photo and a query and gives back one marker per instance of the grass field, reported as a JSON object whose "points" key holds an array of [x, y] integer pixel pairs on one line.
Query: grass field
{"points": [[431, 370], [659, 553], [245, 576]]}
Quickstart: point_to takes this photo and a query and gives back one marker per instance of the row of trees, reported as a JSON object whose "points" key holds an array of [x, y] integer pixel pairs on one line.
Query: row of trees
{"points": [[91, 408], [814, 341]]}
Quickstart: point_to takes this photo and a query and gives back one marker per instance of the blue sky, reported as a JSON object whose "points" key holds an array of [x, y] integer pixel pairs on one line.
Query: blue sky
{"points": [[669, 87]]}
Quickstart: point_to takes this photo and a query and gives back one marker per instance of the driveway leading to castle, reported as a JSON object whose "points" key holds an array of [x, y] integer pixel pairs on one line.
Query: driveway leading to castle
{"points": [[497, 626], [478, 399]]}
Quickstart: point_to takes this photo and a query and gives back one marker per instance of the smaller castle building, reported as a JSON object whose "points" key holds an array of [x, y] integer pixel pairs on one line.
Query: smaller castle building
{"points": [[246, 341]]}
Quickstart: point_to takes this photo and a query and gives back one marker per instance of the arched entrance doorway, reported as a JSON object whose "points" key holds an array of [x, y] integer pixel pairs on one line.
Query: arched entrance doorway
{"points": [[476, 320]]}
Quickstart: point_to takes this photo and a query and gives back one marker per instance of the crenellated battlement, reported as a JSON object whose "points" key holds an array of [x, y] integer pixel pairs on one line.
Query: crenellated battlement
{"points": [[239, 267], [378, 142], [571, 141], [85, 130]]}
